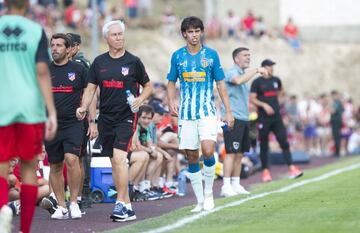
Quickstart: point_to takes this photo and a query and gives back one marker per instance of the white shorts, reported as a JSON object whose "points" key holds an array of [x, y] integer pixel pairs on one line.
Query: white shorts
{"points": [[192, 132]]}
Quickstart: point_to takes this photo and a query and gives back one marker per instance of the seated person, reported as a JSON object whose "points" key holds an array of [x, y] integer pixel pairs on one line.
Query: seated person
{"points": [[147, 137], [167, 143], [43, 191]]}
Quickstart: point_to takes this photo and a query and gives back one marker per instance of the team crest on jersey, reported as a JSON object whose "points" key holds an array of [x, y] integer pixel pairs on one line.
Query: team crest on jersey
{"points": [[276, 85], [236, 145], [204, 62], [125, 70], [71, 76], [184, 64]]}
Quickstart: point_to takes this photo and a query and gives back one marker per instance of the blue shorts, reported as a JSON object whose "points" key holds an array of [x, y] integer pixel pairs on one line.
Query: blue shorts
{"points": [[310, 131]]}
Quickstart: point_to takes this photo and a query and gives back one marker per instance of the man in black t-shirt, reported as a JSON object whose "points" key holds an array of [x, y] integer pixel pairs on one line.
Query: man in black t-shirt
{"points": [[265, 91], [89, 125], [75, 54], [337, 110], [115, 72], [68, 83]]}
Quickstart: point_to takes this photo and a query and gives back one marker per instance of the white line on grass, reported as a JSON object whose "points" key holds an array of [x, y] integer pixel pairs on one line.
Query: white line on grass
{"points": [[194, 217]]}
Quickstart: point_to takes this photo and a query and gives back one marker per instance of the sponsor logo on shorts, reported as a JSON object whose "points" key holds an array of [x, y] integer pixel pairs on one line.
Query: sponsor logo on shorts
{"points": [[236, 145]]}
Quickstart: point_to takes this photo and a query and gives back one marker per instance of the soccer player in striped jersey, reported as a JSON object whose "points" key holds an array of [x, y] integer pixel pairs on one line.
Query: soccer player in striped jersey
{"points": [[197, 67]]}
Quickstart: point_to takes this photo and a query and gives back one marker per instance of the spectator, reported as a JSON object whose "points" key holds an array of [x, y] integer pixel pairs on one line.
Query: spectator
{"points": [[309, 111], [231, 25], [353, 146], [138, 162], [291, 34], [132, 8], [1, 6], [167, 143], [145, 8], [73, 16], [147, 137], [213, 28], [247, 23], [323, 125], [259, 27], [337, 110], [46, 3], [116, 13], [101, 6], [43, 188], [348, 124], [169, 21]]}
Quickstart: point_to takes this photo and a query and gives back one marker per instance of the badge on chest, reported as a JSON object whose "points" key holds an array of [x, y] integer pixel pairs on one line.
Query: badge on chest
{"points": [[71, 76]]}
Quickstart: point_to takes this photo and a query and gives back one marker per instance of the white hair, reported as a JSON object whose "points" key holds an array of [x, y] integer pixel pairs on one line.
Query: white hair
{"points": [[106, 27]]}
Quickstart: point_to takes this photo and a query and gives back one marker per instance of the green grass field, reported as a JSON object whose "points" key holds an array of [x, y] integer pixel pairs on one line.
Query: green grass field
{"points": [[327, 206]]}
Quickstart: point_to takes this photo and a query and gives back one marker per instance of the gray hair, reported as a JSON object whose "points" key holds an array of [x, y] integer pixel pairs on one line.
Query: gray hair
{"points": [[106, 27]]}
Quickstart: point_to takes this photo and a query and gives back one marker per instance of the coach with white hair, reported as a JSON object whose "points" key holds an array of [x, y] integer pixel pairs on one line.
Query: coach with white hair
{"points": [[115, 72]]}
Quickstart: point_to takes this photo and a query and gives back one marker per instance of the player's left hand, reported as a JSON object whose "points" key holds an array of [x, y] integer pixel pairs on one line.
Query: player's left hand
{"points": [[50, 127], [229, 119], [92, 131]]}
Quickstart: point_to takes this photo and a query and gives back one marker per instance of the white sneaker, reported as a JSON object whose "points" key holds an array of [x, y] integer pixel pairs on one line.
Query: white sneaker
{"points": [[208, 201], [227, 191], [75, 210], [198, 208], [6, 215], [60, 213], [239, 189]]}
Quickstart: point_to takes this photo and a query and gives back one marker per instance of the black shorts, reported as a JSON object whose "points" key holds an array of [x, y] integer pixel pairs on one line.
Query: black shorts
{"points": [[116, 136], [68, 140], [237, 139]]}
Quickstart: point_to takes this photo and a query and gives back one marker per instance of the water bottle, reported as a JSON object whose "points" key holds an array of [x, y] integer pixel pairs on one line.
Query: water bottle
{"points": [[181, 183], [224, 125], [130, 99]]}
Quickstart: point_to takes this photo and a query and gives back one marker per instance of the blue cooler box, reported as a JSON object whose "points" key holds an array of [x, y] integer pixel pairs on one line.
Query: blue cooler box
{"points": [[102, 185]]}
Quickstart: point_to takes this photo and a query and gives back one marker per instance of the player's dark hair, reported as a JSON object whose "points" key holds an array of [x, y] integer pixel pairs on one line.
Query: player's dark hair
{"points": [[62, 36], [191, 22], [146, 109], [237, 51]]}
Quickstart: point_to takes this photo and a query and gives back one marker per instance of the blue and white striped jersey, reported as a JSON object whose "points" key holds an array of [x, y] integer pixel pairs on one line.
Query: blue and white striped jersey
{"points": [[196, 74]]}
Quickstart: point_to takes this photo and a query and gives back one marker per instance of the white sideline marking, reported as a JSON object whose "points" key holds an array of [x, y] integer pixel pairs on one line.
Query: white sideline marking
{"points": [[194, 217]]}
